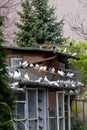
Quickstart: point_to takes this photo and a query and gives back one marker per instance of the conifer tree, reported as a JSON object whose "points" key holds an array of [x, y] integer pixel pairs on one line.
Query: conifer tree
{"points": [[27, 26], [49, 30], [6, 94], [38, 24]]}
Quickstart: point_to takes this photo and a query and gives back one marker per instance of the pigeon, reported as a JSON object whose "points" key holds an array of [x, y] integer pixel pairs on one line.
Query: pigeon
{"points": [[72, 84], [65, 50], [20, 89], [74, 54], [55, 83], [10, 74], [25, 64], [26, 77], [43, 68], [31, 65], [39, 80], [36, 66], [53, 70], [51, 82], [45, 79], [79, 83], [61, 73], [71, 92], [17, 74], [70, 74], [13, 85], [20, 64]]}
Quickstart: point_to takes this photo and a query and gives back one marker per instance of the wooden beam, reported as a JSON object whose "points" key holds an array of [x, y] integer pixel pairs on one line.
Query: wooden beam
{"points": [[45, 59]]}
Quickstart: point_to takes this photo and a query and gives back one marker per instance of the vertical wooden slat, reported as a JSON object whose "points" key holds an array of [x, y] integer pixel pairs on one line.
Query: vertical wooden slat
{"points": [[83, 114], [69, 113], [76, 110]]}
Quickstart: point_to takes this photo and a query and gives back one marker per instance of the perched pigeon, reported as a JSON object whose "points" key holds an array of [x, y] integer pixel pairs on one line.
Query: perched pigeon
{"points": [[46, 79], [25, 64], [17, 74], [39, 80], [26, 77], [65, 50], [70, 74], [76, 91], [51, 82], [43, 68], [10, 74], [36, 66], [53, 70], [74, 54], [31, 65], [61, 73], [13, 85], [55, 83], [71, 92], [20, 89]]}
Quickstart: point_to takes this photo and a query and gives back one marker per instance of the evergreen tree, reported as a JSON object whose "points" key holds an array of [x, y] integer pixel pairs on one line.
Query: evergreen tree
{"points": [[27, 26], [6, 95], [38, 24], [49, 30]]}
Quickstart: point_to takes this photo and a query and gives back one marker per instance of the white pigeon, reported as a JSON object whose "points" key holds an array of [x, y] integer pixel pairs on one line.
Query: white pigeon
{"points": [[10, 74], [79, 83], [20, 64], [53, 70], [13, 85], [72, 84], [51, 82], [39, 80], [65, 50], [43, 68], [70, 74], [61, 73], [74, 54], [25, 64], [31, 65], [76, 91], [55, 83], [36, 66], [17, 74], [71, 92], [46, 79], [26, 77], [20, 89]]}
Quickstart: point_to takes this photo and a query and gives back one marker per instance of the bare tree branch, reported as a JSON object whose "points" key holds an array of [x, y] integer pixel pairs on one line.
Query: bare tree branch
{"points": [[77, 25]]}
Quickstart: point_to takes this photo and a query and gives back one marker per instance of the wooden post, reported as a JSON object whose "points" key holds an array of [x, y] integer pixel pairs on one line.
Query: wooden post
{"points": [[69, 113], [83, 114], [76, 110]]}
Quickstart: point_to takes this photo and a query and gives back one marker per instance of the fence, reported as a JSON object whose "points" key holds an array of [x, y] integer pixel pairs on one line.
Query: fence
{"points": [[79, 109]]}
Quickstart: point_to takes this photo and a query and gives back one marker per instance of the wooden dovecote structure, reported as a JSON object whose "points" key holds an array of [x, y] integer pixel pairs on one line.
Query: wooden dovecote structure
{"points": [[43, 81]]}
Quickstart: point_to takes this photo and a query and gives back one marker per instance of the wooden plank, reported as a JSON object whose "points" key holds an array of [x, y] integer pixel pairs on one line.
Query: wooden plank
{"points": [[45, 59]]}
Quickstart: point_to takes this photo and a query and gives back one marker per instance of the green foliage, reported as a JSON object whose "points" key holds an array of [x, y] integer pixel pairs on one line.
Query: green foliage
{"points": [[81, 49], [1, 20], [76, 124], [6, 95], [38, 24]]}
